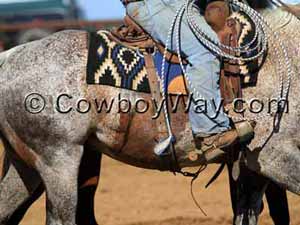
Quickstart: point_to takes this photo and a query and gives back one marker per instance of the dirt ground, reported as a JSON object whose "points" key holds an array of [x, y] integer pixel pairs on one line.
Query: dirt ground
{"points": [[131, 196]]}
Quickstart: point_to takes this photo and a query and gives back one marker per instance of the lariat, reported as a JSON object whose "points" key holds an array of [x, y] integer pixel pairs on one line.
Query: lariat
{"points": [[258, 47]]}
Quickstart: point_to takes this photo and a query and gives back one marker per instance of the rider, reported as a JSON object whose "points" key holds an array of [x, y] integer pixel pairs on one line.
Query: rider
{"points": [[156, 17]]}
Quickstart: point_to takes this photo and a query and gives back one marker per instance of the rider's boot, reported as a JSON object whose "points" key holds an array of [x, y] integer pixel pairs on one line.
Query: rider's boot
{"points": [[214, 145]]}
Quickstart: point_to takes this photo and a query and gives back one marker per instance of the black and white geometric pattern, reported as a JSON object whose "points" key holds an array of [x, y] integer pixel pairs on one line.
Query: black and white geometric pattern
{"points": [[111, 63]]}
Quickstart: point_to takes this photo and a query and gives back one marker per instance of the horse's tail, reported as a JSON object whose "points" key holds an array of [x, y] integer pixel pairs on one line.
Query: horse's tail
{"points": [[5, 164], [4, 161], [3, 156], [4, 55]]}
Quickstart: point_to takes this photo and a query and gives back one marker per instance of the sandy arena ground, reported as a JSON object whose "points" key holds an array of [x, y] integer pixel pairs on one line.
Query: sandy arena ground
{"points": [[131, 196]]}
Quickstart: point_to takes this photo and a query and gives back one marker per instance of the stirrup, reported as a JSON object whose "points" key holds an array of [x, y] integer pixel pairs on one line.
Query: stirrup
{"points": [[162, 146], [245, 130]]}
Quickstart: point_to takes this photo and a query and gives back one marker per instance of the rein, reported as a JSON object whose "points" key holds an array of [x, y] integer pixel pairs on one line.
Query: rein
{"points": [[194, 178]]}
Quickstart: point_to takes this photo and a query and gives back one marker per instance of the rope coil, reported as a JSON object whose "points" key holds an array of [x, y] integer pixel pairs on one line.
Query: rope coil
{"points": [[263, 32]]}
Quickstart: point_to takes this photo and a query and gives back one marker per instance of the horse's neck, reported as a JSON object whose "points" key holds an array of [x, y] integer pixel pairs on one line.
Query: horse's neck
{"points": [[268, 84], [276, 17]]}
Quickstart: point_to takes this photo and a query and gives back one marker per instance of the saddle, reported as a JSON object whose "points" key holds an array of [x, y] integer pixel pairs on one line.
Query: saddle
{"points": [[134, 36], [217, 15]]}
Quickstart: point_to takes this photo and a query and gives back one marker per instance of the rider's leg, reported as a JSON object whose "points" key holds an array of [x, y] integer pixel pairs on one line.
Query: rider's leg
{"points": [[156, 17]]}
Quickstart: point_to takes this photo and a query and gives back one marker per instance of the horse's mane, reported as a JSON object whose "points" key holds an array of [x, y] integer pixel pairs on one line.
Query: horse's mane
{"points": [[259, 4]]}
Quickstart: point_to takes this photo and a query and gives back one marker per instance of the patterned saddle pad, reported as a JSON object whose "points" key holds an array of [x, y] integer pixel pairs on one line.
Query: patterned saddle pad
{"points": [[111, 63]]}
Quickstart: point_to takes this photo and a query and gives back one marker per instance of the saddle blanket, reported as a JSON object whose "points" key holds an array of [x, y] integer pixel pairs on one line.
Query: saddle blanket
{"points": [[111, 63]]}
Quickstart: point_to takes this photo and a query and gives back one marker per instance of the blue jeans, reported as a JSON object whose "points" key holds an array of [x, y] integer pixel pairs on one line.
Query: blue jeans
{"points": [[156, 16]]}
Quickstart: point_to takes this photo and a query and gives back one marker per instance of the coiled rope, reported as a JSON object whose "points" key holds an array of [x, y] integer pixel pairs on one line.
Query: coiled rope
{"points": [[263, 33]]}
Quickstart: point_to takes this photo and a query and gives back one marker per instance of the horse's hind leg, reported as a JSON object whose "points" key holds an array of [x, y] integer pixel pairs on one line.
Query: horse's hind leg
{"points": [[59, 173], [20, 211], [18, 215], [88, 181], [18, 184], [16, 188]]}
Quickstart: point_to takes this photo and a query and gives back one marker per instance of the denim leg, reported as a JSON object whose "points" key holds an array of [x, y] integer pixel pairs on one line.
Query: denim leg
{"points": [[156, 17], [140, 12]]}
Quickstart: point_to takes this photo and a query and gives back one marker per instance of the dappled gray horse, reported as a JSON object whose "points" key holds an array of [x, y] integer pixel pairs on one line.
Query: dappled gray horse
{"points": [[48, 146]]}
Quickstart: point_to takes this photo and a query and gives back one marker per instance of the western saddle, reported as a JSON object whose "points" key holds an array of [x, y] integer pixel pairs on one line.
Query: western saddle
{"points": [[132, 35], [217, 15]]}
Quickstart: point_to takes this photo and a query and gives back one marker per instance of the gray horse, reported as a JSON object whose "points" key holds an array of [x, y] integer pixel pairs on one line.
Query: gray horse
{"points": [[42, 79]]}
